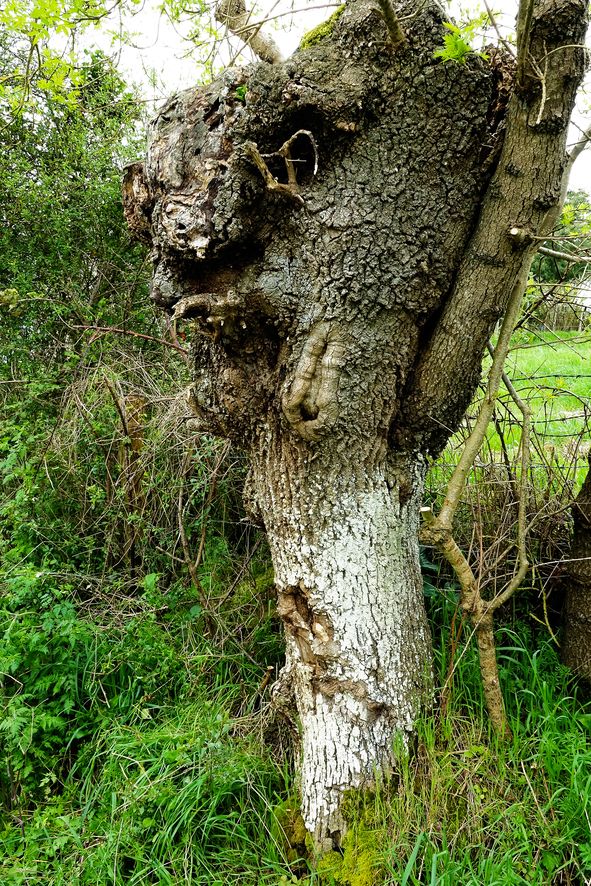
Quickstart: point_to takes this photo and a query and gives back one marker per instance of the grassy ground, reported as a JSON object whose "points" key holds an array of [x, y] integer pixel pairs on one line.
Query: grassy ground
{"points": [[135, 749], [189, 783], [553, 372]]}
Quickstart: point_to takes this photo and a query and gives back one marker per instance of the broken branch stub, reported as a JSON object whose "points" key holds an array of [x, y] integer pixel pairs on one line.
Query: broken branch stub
{"points": [[287, 190]]}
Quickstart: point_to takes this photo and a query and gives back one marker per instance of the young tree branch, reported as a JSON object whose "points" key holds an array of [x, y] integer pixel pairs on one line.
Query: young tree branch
{"points": [[394, 28], [438, 531], [524, 18]]}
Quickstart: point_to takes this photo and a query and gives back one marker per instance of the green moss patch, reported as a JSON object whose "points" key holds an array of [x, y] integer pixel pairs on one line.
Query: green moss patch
{"points": [[289, 830], [324, 29]]}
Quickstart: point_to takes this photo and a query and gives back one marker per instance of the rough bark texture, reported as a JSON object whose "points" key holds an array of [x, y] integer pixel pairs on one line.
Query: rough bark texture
{"points": [[576, 642], [340, 318]]}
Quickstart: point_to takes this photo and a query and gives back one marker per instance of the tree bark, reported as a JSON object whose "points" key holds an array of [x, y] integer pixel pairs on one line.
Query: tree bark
{"points": [[330, 229], [345, 550], [576, 642]]}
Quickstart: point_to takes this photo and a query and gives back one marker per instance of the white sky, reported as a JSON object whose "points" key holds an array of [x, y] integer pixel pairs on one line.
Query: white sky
{"points": [[160, 48]]}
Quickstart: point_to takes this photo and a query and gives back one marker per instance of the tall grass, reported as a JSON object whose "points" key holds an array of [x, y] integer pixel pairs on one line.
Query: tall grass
{"points": [[187, 783]]}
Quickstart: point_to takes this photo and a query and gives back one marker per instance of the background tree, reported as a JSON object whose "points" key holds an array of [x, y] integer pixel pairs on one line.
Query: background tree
{"points": [[558, 290], [291, 208], [576, 641]]}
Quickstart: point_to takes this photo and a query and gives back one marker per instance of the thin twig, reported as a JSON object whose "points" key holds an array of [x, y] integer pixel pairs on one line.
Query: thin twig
{"points": [[534, 795], [106, 329], [271, 18], [524, 17], [243, 569], [493, 22]]}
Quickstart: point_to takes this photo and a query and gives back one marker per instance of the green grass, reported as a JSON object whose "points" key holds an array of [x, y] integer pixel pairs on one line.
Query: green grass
{"points": [[551, 372], [554, 374], [179, 784], [177, 800]]}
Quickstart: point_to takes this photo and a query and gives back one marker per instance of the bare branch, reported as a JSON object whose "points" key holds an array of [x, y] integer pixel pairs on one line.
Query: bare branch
{"points": [[576, 151], [272, 18], [521, 525], [474, 442], [439, 530], [288, 190], [493, 22], [553, 253], [104, 330], [233, 14], [524, 17]]}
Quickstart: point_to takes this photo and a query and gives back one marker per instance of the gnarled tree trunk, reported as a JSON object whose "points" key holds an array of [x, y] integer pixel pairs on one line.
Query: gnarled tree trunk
{"points": [[336, 230]]}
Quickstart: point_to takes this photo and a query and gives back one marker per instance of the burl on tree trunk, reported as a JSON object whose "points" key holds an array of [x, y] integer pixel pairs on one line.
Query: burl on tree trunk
{"points": [[336, 230]]}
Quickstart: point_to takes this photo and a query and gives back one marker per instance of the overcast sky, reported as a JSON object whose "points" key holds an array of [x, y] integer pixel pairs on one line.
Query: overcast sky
{"points": [[160, 48]]}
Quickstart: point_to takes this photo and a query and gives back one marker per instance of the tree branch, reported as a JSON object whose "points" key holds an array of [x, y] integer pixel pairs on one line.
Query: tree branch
{"points": [[524, 17], [458, 480], [439, 530], [233, 14], [104, 330], [564, 255], [493, 22], [497, 601], [394, 28]]}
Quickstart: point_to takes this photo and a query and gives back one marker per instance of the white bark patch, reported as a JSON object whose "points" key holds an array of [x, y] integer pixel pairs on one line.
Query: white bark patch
{"points": [[358, 646]]}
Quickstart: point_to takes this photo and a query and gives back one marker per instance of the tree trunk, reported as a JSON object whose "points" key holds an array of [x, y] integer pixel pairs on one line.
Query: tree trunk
{"points": [[344, 541], [576, 642], [335, 229]]}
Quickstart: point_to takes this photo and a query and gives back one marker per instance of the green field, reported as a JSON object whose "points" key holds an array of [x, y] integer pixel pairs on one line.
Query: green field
{"points": [[551, 373], [554, 376]]}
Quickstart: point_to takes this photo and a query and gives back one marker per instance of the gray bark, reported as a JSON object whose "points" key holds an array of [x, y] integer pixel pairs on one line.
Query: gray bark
{"points": [[340, 318]]}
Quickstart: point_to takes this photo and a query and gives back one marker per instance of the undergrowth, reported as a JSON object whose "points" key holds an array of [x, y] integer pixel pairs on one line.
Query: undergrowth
{"points": [[135, 753], [140, 755], [466, 809], [137, 740]]}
